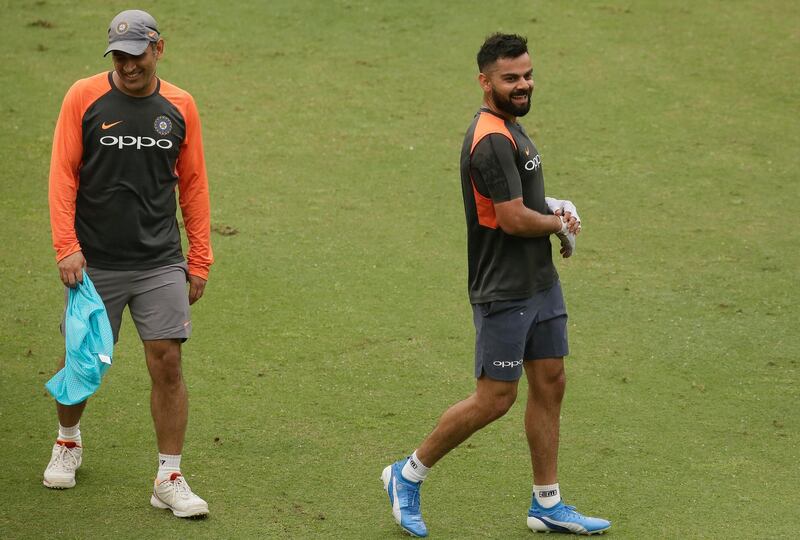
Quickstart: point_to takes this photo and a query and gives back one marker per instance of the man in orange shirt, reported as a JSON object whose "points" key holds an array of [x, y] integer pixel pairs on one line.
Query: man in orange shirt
{"points": [[124, 141]]}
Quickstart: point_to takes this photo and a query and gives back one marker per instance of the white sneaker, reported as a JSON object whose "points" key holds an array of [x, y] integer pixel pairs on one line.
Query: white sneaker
{"points": [[175, 494], [64, 461]]}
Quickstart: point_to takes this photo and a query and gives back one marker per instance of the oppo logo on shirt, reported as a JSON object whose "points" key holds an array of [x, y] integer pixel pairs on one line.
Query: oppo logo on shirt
{"points": [[532, 164], [129, 141]]}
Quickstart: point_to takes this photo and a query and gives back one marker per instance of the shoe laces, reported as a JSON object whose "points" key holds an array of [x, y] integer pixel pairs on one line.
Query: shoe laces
{"points": [[568, 509], [64, 459], [413, 498], [181, 487]]}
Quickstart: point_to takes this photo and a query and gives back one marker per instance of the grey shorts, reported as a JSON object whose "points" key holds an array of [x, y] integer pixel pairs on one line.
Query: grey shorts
{"points": [[157, 299], [509, 332]]}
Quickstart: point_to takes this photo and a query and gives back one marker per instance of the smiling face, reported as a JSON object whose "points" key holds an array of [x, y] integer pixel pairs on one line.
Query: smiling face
{"points": [[508, 85], [136, 75]]}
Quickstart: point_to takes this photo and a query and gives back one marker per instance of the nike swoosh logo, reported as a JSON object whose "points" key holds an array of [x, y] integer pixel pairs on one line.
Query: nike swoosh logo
{"points": [[107, 126]]}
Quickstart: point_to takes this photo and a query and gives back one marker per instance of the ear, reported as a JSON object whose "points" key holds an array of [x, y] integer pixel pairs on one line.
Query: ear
{"points": [[483, 80], [159, 49]]}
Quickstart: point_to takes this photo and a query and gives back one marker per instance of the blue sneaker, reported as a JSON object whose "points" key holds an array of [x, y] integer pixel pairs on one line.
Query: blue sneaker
{"points": [[404, 497], [563, 518]]}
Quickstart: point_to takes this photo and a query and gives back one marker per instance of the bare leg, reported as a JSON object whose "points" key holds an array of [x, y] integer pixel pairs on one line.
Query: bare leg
{"points": [[169, 401], [546, 384], [69, 415], [491, 400]]}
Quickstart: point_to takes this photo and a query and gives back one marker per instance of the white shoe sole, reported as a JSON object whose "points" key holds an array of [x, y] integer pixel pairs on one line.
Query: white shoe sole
{"points": [[386, 477], [59, 484], [198, 512], [539, 526]]}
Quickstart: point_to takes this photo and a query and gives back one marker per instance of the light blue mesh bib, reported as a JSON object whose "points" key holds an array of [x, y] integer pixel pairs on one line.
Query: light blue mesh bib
{"points": [[89, 346]]}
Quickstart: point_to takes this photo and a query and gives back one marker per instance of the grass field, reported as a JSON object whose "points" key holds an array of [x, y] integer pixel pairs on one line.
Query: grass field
{"points": [[335, 328]]}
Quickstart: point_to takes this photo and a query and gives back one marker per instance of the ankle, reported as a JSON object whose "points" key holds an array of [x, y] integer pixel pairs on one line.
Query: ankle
{"points": [[414, 470], [547, 495], [70, 433], [168, 464]]}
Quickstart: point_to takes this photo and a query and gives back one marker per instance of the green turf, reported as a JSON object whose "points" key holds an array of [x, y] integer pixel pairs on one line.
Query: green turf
{"points": [[336, 327]]}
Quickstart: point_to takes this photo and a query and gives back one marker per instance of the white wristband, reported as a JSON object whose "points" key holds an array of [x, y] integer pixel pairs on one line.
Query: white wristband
{"points": [[564, 227]]}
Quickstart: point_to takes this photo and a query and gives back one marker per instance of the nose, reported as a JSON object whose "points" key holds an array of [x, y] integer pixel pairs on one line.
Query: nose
{"points": [[524, 85], [128, 65], [528, 84]]}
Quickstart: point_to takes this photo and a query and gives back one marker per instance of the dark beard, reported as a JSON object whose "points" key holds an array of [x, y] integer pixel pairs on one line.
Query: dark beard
{"points": [[508, 107]]}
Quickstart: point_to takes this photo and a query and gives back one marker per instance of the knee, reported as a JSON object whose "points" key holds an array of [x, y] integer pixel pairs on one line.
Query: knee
{"points": [[168, 376], [551, 382], [165, 367], [499, 405], [558, 380]]}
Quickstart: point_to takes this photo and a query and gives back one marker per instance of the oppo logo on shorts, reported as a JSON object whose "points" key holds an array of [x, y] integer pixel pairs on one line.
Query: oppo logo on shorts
{"points": [[129, 141], [531, 164], [506, 364]]}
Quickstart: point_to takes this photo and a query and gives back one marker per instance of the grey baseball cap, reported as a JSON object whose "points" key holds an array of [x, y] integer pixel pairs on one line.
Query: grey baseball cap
{"points": [[131, 32]]}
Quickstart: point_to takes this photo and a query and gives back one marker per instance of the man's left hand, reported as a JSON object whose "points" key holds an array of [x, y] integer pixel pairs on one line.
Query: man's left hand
{"points": [[572, 220], [566, 210], [196, 287]]}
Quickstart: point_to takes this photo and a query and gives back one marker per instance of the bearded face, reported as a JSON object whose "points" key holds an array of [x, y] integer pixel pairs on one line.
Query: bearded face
{"points": [[508, 86], [516, 104]]}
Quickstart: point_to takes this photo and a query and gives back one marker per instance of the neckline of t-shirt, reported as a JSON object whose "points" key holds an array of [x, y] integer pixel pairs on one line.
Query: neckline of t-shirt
{"points": [[490, 111], [114, 87]]}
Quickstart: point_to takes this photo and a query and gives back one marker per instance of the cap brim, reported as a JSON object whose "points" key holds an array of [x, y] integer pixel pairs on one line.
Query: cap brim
{"points": [[134, 48]]}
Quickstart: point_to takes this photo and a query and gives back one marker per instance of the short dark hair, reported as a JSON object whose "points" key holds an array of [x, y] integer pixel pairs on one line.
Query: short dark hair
{"points": [[500, 45]]}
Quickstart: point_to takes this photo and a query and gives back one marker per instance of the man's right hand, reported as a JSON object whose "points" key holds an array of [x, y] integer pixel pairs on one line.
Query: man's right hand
{"points": [[70, 269]]}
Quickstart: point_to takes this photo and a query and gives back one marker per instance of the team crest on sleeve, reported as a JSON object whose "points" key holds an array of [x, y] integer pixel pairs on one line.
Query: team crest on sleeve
{"points": [[162, 125]]}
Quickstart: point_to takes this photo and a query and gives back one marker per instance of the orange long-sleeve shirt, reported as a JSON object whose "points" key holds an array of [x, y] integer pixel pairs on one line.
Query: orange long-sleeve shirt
{"points": [[116, 163]]}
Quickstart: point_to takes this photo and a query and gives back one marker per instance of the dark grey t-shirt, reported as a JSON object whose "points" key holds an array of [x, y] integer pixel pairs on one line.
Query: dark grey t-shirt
{"points": [[125, 206], [500, 163]]}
